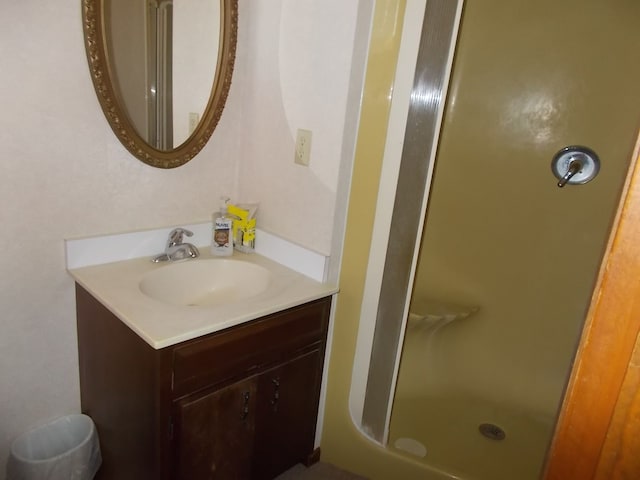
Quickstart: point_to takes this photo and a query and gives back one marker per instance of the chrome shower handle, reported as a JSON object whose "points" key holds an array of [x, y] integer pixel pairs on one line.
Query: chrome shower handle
{"points": [[574, 167]]}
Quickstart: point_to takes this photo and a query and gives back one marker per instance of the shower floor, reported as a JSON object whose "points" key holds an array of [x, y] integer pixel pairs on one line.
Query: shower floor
{"points": [[447, 426]]}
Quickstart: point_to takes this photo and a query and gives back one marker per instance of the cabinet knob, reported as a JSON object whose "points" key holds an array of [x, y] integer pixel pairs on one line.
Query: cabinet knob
{"points": [[245, 407], [276, 393]]}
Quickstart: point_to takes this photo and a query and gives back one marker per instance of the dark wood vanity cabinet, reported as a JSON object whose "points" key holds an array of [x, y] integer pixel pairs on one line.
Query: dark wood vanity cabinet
{"points": [[236, 404]]}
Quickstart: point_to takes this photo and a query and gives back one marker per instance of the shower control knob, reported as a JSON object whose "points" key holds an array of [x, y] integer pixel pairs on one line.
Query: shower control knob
{"points": [[575, 165]]}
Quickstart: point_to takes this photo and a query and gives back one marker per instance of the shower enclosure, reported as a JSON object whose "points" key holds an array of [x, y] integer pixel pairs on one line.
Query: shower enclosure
{"points": [[485, 304]]}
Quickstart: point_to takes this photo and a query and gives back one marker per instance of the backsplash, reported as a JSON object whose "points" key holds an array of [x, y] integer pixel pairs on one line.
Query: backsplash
{"points": [[84, 252]]}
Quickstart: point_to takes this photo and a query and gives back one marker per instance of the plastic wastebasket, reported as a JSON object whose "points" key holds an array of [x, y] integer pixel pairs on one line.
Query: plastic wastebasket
{"points": [[65, 449]]}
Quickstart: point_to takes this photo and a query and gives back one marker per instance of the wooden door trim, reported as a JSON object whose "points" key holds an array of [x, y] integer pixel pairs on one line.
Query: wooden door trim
{"points": [[599, 376]]}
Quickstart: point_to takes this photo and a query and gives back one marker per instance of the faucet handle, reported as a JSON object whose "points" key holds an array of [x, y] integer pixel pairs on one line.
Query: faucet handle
{"points": [[176, 236]]}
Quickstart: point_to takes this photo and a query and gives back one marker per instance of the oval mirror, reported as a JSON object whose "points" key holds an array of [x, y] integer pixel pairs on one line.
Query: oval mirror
{"points": [[161, 71]]}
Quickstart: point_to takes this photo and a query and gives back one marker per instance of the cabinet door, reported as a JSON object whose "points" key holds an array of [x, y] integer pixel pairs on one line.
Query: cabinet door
{"points": [[214, 432], [287, 412]]}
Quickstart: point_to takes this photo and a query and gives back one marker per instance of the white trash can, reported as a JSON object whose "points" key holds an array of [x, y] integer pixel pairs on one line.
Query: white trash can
{"points": [[65, 449]]}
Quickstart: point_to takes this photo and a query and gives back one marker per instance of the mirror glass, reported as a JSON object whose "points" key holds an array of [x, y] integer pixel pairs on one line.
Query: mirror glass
{"points": [[162, 71]]}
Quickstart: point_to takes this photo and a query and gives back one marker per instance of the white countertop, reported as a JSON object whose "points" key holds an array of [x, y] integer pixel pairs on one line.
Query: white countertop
{"points": [[116, 286]]}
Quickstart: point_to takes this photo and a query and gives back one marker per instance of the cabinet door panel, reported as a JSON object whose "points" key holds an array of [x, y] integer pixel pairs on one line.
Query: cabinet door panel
{"points": [[287, 412], [214, 433]]}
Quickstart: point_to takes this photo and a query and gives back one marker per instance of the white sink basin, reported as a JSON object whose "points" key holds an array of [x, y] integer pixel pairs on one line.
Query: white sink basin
{"points": [[205, 282]]}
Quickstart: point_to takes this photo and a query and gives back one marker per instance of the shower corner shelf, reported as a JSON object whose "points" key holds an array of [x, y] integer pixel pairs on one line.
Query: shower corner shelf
{"points": [[437, 313]]}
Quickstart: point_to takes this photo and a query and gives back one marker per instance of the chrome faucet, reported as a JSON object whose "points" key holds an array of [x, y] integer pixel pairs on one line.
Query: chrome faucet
{"points": [[176, 249]]}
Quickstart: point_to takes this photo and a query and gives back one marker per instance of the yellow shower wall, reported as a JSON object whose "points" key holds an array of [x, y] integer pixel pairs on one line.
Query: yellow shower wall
{"points": [[529, 78]]}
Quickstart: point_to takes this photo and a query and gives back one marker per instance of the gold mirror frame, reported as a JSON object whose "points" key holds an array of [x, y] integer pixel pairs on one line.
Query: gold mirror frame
{"points": [[101, 75]]}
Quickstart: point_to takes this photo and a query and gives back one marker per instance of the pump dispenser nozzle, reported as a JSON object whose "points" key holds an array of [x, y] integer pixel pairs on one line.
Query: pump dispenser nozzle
{"points": [[224, 201]]}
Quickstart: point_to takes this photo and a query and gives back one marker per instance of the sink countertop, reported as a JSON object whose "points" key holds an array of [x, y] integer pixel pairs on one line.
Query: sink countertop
{"points": [[116, 286]]}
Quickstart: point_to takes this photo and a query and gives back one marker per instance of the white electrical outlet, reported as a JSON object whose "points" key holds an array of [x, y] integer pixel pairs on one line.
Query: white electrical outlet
{"points": [[303, 147]]}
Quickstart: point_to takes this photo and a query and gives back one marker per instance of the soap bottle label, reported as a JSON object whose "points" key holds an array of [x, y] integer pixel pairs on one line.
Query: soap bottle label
{"points": [[222, 242], [221, 234]]}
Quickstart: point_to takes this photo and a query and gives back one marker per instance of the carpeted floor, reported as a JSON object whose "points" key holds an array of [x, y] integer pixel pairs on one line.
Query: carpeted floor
{"points": [[318, 471]]}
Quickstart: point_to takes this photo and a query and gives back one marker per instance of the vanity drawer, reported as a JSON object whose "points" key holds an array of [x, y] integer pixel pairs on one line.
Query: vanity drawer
{"points": [[245, 348]]}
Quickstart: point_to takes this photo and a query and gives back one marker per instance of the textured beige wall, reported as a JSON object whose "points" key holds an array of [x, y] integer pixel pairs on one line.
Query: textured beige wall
{"points": [[297, 81]]}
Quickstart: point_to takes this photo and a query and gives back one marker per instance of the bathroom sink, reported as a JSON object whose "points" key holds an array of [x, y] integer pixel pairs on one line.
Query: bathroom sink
{"points": [[205, 282]]}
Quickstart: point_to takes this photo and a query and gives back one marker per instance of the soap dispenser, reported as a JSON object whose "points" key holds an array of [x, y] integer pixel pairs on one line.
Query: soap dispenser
{"points": [[221, 239]]}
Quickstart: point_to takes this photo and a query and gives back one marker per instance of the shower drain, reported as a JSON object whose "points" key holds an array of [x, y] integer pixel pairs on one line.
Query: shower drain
{"points": [[492, 431]]}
